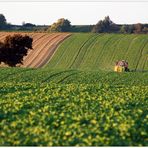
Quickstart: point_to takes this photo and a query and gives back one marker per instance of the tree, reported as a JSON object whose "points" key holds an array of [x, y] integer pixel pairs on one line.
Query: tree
{"points": [[105, 25], [123, 29], [3, 22], [138, 28], [62, 25], [127, 29], [28, 25], [114, 28], [14, 48], [145, 30], [130, 28], [98, 28]]}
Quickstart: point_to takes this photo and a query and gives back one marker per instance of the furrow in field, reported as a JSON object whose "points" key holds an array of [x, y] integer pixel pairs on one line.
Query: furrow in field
{"points": [[37, 48], [87, 51], [54, 75], [80, 49], [57, 59], [43, 51], [140, 54], [68, 50], [122, 48], [145, 67], [66, 77], [2, 38], [36, 37], [83, 51], [92, 54], [144, 64], [98, 57], [109, 52], [53, 46], [59, 77], [128, 49], [137, 52], [111, 59], [133, 52], [1, 35]]}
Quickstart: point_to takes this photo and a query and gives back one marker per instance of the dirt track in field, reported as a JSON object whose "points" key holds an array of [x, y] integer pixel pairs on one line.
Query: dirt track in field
{"points": [[44, 46]]}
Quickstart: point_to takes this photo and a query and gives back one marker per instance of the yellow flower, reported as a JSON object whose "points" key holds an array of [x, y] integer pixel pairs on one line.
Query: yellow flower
{"points": [[68, 133], [93, 121]]}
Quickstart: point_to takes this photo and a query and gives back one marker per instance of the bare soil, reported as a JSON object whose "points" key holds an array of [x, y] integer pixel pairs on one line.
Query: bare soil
{"points": [[44, 46]]}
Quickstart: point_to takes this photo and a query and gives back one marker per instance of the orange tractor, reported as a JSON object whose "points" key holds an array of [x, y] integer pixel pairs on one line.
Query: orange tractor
{"points": [[121, 66]]}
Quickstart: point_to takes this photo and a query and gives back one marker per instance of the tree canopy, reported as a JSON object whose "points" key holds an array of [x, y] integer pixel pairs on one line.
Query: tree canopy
{"points": [[105, 25], [3, 21], [14, 48], [62, 25]]}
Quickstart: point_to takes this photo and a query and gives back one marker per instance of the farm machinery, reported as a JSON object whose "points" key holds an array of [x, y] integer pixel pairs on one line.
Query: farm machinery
{"points": [[121, 66]]}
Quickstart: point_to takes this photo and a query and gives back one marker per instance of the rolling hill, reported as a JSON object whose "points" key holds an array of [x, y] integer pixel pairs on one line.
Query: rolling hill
{"points": [[101, 51], [86, 51], [76, 99]]}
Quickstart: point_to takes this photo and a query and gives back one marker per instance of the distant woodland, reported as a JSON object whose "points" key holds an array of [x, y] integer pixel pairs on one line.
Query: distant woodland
{"points": [[64, 25]]}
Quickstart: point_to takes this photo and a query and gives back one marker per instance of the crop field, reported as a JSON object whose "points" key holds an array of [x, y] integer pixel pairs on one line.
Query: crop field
{"points": [[46, 75], [75, 98], [72, 107], [93, 51], [44, 46]]}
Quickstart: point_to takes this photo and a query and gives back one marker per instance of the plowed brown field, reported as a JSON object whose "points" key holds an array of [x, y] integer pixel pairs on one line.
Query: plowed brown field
{"points": [[44, 46]]}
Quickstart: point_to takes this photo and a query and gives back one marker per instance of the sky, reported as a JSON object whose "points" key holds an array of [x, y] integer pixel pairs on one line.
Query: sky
{"points": [[79, 12]]}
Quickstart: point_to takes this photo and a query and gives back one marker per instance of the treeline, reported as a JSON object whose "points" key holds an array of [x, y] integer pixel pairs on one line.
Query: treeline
{"points": [[64, 25], [24, 27], [107, 26], [103, 26]]}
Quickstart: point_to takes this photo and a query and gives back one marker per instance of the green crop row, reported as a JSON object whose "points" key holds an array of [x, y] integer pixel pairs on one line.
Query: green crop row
{"points": [[45, 75]]}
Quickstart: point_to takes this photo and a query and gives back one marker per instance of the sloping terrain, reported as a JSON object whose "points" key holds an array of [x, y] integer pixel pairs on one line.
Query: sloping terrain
{"points": [[67, 103], [86, 51], [95, 51], [44, 45]]}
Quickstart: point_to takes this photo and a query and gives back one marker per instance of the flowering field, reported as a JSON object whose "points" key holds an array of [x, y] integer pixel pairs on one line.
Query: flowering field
{"points": [[45, 107]]}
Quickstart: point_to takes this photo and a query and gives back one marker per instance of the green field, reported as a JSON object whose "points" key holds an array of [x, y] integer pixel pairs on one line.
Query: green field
{"points": [[72, 107], [93, 52], [77, 99]]}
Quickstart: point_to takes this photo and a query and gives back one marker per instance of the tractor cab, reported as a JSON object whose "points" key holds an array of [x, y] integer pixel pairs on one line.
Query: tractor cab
{"points": [[121, 66]]}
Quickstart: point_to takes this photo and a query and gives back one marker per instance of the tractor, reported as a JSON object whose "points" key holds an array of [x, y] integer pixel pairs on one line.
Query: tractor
{"points": [[121, 66]]}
